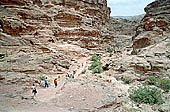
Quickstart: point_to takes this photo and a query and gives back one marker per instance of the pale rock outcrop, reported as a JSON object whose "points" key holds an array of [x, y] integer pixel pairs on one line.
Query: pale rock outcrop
{"points": [[153, 38], [154, 25]]}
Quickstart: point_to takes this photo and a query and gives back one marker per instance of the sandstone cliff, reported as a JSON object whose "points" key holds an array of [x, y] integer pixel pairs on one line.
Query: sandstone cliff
{"points": [[45, 21], [149, 54], [154, 25], [34, 35], [122, 26], [152, 40]]}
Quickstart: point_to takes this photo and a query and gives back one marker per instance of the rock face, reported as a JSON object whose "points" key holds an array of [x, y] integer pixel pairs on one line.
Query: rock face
{"points": [[150, 46], [33, 34], [48, 20], [152, 40], [155, 23], [125, 25]]}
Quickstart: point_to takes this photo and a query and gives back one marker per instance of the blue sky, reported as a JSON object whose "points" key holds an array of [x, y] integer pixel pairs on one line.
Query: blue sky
{"points": [[127, 7]]}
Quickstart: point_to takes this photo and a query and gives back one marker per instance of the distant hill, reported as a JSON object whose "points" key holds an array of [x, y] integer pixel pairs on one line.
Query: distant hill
{"points": [[125, 25], [131, 18]]}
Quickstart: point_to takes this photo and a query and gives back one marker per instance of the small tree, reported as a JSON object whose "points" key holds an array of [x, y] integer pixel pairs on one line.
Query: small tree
{"points": [[96, 65], [42, 77]]}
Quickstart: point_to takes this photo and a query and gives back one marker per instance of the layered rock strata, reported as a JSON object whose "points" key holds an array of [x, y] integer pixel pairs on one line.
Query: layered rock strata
{"points": [[152, 40], [154, 25], [37, 36], [78, 21]]}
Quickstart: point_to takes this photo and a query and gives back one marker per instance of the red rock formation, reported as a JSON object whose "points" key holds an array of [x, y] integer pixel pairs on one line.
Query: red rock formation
{"points": [[12, 2], [54, 19]]}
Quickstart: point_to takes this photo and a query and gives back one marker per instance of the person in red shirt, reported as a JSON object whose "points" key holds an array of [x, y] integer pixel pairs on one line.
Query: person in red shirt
{"points": [[55, 83]]}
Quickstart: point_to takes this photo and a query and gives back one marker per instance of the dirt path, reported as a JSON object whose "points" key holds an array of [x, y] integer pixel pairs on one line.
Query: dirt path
{"points": [[48, 94], [67, 95], [82, 64]]}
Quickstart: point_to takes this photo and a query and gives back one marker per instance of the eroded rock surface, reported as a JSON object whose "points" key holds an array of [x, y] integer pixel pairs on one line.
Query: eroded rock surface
{"points": [[152, 39], [45, 21], [155, 24]]}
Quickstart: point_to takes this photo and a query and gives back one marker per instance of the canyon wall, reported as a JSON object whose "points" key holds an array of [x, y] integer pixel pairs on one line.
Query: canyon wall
{"points": [[154, 25], [43, 21], [41, 37], [152, 40]]}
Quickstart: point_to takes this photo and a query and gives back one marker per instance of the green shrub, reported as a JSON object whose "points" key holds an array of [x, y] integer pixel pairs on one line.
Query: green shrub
{"points": [[42, 77], [127, 80], [151, 80], [95, 57], [164, 84], [97, 69], [167, 87], [110, 50], [147, 95], [161, 83], [96, 65]]}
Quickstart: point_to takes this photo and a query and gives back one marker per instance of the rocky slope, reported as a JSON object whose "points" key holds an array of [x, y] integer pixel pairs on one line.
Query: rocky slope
{"points": [[149, 55], [154, 25], [122, 26], [150, 45], [125, 25], [131, 18]]}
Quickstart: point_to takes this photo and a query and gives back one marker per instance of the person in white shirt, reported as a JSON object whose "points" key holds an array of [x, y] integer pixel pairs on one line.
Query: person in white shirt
{"points": [[34, 91]]}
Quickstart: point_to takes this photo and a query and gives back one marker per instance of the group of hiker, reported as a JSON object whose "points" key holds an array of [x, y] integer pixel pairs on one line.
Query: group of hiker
{"points": [[46, 85], [70, 75], [46, 82]]}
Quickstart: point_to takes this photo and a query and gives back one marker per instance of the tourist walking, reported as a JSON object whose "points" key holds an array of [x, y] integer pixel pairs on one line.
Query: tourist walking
{"points": [[34, 91], [46, 83], [55, 82]]}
